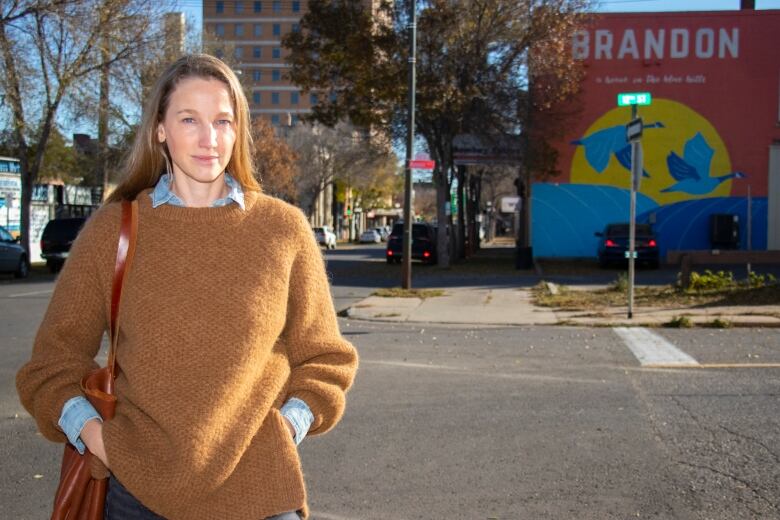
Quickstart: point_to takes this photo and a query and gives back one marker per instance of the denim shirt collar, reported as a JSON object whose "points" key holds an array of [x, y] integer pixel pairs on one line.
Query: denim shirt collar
{"points": [[162, 194]]}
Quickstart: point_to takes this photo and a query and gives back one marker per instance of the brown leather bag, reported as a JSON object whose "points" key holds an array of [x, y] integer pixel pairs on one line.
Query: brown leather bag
{"points": [[79, 495]]}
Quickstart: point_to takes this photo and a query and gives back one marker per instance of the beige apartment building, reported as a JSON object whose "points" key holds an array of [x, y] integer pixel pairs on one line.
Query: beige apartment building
{"points": [[252, 31]]}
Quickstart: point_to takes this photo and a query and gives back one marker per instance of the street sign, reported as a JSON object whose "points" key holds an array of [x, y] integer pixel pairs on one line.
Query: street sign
{"points": [[419, 164], [634, 129], [634, 98]]}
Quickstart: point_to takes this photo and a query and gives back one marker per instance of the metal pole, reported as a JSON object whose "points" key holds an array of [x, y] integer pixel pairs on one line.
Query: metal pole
{"points": [[749, 228], [406, 281], [636, 170]]}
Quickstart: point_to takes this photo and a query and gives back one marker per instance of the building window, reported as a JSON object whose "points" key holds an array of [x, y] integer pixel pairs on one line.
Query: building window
{"points": [[256, 75], [294, 96], [313, 99], [276, 75], [277, 29], [277, 6], [239, 29], [274, 98], [238, 53], [295, 120], [257, 51], [256, 98], [258, 7], [219, 30], [258, 30], [219, 53], [277, 53], [296, 27], [220, 7], [275, 119], [239, 7], [296, 6]]}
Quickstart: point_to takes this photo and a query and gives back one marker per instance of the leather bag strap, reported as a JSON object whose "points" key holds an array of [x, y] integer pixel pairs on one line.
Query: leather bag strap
{"points": [[128, 232]]}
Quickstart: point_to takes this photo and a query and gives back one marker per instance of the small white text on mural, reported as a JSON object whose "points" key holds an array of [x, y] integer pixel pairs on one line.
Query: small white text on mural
{"points": [[679, 43], [653, 79]]}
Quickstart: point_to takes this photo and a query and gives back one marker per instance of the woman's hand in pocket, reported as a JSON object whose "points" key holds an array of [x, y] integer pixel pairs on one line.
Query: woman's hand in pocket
{"points": [[92, 435], [289, 426]]}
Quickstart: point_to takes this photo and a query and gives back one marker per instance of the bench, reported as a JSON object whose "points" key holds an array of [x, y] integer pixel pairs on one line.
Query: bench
{"points": [[687, 259]]}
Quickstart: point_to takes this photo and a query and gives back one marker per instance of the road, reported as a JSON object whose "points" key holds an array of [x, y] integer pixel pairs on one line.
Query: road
{"points": [[505, 423]]}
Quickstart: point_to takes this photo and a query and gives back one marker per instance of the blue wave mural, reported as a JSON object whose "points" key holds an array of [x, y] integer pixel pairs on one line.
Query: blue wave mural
{"points": [[566, 216]]}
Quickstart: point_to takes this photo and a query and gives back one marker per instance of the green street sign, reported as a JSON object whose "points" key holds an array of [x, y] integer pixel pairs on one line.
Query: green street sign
{"points": [[634, 98]]}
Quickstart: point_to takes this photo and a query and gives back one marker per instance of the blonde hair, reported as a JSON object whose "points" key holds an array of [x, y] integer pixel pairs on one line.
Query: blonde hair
{"points": [[146, 160]]}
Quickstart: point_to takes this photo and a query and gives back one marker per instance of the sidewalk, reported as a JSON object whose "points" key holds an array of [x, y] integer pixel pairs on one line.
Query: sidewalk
{"points": [[512, 306]]}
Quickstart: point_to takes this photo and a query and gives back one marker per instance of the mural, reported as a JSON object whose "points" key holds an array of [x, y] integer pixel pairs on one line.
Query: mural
{"points": [[686, 177], [707, 136], [684, 156]]}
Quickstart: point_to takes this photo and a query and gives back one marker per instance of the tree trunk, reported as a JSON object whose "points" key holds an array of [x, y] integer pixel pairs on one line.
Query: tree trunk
{"points": [[461, 243], [442, 194]]}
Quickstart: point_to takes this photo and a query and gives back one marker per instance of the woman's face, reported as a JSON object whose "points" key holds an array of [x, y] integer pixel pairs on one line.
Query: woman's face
{"points": [[199, 129]]}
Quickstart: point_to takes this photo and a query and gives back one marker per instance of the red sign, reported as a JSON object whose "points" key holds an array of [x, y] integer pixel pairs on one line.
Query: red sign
{"points": [[418, 164]]}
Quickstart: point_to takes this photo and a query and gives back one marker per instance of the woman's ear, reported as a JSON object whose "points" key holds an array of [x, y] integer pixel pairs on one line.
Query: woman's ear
{"points": [[160, 133]]}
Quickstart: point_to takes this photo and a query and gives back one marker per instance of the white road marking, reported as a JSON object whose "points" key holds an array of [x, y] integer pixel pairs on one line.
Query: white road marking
{"points": [[35, 293], [653, 350], [485, 373]]}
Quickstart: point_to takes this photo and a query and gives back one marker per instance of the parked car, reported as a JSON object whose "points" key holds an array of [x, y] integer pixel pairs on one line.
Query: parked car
{"points": [[383, 233], [370, 236], [325, 237], [423, 243], [13, 258], [614, 245], [58, 235]]}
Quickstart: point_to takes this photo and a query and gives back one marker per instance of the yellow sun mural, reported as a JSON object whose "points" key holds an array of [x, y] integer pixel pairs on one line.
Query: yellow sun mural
{"points": [[684, 157]]}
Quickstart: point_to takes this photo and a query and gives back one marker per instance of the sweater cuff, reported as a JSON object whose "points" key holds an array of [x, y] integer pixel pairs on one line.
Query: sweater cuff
{"points": [[75, 414]]}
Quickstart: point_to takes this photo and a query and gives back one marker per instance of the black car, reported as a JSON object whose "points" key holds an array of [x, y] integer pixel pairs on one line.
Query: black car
{"points": [[58, 236], [423, 243], [13, 258], [614, 245]]}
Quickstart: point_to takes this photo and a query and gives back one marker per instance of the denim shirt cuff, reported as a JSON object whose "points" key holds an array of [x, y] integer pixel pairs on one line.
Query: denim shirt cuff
{"points": [[299, 414], [75, 414]]}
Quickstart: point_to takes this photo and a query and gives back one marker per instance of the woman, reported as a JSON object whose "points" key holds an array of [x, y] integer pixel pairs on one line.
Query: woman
{"points": [[229, 348]]}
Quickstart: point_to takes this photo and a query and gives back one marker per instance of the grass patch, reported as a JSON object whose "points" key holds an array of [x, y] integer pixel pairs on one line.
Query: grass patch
{"points": [[660, 296], [397, 292]]}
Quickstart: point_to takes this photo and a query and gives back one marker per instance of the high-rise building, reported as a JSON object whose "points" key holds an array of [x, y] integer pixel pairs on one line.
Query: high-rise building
{"points": [[252, 31]]}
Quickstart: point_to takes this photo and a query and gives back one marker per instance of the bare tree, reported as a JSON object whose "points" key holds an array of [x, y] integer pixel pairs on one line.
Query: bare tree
{"points": [[328, 154], [47, 47]]}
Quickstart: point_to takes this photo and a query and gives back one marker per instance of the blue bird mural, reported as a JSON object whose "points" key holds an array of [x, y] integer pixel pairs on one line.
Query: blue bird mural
{"points": [[692, 170], [601, 145]]}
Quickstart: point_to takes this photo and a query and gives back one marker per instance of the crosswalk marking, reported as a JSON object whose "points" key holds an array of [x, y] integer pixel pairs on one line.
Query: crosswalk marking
{"points": [[653, 350]]}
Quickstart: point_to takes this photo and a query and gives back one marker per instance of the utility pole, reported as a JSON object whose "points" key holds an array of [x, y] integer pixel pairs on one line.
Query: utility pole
{"points": [[406, 281]]}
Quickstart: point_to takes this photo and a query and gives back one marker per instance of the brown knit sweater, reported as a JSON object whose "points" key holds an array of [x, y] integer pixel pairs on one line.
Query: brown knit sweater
{"points": [[226, 314]]}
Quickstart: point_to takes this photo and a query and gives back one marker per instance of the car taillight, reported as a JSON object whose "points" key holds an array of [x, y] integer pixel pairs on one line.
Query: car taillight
{"points": [[610, 243], [426, 254], [389, 253], [651, 243]]}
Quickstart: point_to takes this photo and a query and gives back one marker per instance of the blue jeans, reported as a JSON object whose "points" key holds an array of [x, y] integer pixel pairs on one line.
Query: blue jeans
{"points": [[122, 505]]}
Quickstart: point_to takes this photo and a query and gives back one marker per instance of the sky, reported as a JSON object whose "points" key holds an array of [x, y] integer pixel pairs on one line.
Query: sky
{"points": [[193, 8]]}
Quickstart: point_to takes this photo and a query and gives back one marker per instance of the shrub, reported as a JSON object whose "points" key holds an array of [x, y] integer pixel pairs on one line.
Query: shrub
{"points": [[719, 323], [710, 281], [620, 284], [756, 280], [679, 322]]}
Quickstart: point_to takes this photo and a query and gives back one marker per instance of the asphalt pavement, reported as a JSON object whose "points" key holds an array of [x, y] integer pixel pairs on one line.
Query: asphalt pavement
{"points": [[494, 420]]}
